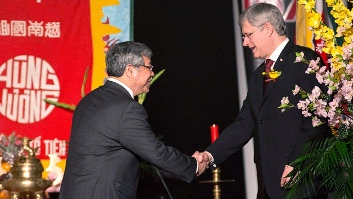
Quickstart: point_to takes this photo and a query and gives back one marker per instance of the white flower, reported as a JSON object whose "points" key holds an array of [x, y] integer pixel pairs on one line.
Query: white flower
{"points": [[319, 46], [299, 57], [315, 93], [316, 121], [306, 113], [284, 101], [321, 104], [296, 90], [314, 64], [303, 104]]}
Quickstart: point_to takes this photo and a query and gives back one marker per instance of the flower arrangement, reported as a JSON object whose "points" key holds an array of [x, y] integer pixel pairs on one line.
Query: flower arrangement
{"points": [[10, 148], [329, 158]]}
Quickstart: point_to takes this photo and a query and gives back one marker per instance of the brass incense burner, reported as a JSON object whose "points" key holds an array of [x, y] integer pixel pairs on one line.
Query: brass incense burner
{"points": [[27, 181]]}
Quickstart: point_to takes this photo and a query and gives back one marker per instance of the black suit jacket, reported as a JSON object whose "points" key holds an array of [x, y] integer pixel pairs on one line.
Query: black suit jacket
{"points": [[109, 135], [278, 137]]}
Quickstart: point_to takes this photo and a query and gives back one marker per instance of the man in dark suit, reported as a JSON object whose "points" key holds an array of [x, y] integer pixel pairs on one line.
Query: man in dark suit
{"points": [[110, 133], [278, 137]]}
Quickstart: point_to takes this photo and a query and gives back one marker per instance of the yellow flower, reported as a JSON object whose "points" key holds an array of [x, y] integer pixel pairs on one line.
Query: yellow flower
{"points": [[330, 2], [6, 166], [343, 18], [274, 74], [314, 20], [302, 2], [309, 5], [349, 39], [338, 79], [328, 34]]}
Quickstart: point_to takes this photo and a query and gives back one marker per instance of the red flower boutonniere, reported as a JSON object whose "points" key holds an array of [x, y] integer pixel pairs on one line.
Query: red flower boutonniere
{"points": [[272, 75]]}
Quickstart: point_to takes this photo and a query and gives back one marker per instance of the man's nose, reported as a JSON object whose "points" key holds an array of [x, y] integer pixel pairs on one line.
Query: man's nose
{"points": [[246, 41]]}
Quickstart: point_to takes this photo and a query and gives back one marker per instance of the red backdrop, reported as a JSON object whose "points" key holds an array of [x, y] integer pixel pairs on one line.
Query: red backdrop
{"points": [[44, 52]]}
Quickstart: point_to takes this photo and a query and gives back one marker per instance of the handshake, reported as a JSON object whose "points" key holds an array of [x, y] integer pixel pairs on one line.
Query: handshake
{"points": [[203, 160]]}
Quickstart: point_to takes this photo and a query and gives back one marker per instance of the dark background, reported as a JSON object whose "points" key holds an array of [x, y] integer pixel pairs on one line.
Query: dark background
{"points": [[194, 41]]}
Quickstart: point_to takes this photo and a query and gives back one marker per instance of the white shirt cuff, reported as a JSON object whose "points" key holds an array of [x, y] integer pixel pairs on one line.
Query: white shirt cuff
{"points": [[212, 164]]}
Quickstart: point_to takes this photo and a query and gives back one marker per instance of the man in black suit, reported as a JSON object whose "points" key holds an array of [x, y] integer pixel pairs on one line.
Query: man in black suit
{"points": [[278, 137], [110, 133]]}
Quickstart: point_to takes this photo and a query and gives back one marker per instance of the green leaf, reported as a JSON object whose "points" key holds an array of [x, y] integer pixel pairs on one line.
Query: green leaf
{"points": [[84, 83], [70, 107], [141, 97]]}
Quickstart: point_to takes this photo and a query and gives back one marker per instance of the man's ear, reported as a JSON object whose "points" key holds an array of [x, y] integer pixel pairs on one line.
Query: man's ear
{"points": [[269, 28], [130, 71]]}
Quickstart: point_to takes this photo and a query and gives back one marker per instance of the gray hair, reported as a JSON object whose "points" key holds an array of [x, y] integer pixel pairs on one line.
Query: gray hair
{"points": [[121, 54], [261, 13]]}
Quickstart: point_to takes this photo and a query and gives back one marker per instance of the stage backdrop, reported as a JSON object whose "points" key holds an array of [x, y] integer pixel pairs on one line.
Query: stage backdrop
{"points": [[46, 47]]}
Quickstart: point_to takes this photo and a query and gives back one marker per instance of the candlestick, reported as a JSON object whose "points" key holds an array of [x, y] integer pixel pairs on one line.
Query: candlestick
{"points": [[214, 132], [217, 172], [216, 180], [217, 187]]}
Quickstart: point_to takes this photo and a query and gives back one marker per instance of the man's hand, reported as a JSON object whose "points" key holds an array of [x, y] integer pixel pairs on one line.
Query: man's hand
{"points": [[284, 179], [203, 161]]}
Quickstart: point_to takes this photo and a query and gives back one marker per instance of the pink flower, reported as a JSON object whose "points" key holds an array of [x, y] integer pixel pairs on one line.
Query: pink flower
{"points": [[284, 101], [296, 90], [315, 93], [316, 121], [321, 111], [303, 104], [314, 64], [306, 113], [299, 57]]}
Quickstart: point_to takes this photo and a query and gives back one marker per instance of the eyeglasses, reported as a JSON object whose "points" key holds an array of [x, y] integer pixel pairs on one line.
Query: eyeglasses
{"points": [[149, 67], [248, 35]]}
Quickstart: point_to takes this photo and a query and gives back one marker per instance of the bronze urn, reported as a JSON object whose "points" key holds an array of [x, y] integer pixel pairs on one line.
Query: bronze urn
{"points": [[27, 181]]}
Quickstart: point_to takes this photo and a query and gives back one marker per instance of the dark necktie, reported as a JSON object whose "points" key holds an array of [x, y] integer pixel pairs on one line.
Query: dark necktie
{"points": [[268, 64]]}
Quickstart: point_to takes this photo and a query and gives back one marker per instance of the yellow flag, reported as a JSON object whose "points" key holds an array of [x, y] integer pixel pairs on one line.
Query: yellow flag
{"points": [[304, 36]]}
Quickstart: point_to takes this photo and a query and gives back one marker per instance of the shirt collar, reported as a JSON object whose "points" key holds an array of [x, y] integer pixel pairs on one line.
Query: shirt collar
{"points": [[123, 85], [274, 56]]}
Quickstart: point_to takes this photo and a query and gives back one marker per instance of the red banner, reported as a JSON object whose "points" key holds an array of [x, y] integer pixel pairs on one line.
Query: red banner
{"points": [[45, 50]]}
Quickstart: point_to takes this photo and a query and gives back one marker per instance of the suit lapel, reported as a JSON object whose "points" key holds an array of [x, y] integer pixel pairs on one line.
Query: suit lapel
{"points": [[257, 88], [280, 63]]}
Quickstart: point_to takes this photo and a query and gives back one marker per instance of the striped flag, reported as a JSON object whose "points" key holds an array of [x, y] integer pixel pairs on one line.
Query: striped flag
{"points": [[303, 35]]}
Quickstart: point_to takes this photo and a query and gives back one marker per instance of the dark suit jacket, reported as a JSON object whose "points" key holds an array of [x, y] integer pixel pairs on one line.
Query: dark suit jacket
{"points": [[278, 137], [109, 135]]}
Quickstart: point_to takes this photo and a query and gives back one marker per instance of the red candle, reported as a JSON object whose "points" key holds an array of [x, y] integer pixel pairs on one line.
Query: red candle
{"points": [[214, 132]]}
